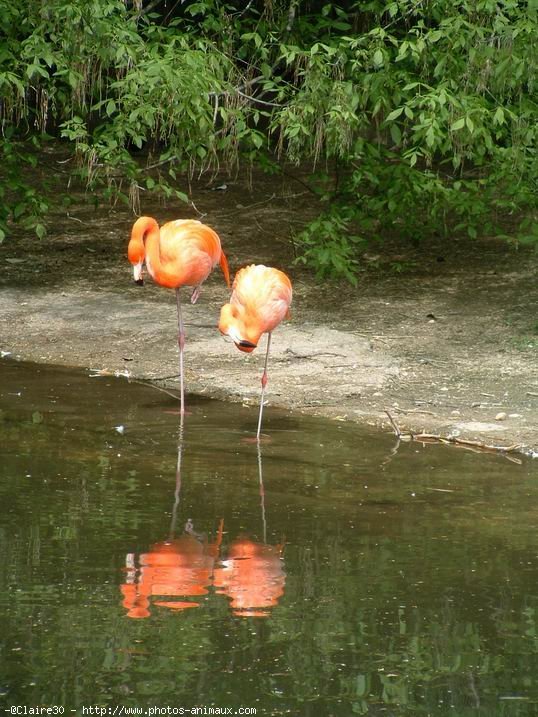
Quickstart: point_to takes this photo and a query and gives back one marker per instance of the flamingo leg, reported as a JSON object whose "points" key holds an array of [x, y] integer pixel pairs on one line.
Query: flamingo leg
{"points": [[196, 293], [177, 491], [262, 492], [181, 344], [264, 384]]}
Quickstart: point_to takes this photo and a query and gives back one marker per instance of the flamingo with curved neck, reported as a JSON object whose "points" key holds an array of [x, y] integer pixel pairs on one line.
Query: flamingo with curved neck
{"points": [[180, 253], [261, 298]]}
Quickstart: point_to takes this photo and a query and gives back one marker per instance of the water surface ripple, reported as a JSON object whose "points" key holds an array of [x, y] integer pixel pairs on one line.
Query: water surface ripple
{"points": [[324, 574]]}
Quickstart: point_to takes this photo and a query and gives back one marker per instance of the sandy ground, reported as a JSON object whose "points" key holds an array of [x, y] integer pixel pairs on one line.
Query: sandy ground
{"points": [[444, 337]]}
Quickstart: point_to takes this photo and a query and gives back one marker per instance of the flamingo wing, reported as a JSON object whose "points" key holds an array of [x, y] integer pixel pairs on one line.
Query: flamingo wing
{"points": [[192, 248], [265, 293]]}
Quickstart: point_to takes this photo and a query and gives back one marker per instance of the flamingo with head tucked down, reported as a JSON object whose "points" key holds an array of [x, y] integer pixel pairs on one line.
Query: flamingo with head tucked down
{"points": [[252, 576], [261, 298], [180, 253]]}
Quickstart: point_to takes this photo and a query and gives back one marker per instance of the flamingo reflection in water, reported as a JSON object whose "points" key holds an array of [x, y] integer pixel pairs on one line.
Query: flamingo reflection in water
{"points": [[176, 568], [252, 576]]}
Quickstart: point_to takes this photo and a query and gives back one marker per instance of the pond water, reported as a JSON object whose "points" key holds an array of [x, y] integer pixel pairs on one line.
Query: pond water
{"points": [[326, 574]]}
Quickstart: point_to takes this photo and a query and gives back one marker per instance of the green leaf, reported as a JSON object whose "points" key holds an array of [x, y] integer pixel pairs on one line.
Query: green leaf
{"points": [[19, 210], [73, 78], [394, 114], [378, 58], [458, 124], [498, 117], [257, 140], [339, 25]]}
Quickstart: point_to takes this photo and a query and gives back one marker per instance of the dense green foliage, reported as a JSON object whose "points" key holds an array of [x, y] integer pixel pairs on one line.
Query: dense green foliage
{"points": [[421, 115]]}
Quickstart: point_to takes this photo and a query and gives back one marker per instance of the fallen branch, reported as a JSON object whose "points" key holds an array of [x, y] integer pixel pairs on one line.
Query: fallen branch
{"points": [[475, 446], [98, 373], [415, 410], [395, 426], [152, 385]]}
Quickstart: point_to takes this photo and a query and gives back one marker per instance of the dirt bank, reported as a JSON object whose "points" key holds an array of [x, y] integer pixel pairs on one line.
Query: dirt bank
{"points": [[445, 337]]}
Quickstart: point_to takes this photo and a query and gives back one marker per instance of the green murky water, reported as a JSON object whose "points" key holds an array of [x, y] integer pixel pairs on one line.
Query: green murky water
{"points": [[325, 576]]}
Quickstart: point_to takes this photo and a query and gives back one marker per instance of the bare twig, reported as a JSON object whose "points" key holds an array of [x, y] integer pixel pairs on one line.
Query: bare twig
{"points": [[256, 99], [395, 426], [200, 214], [411, 10], [148, 8], [476, 446], [216, 110], [249, 206], [152, 385], [297, 179], [243, 11], [415, 410]]}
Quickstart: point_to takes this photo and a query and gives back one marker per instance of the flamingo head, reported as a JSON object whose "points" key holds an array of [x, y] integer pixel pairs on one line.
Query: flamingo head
{"points": [[233, 324], [136, 253], [138, 273]]}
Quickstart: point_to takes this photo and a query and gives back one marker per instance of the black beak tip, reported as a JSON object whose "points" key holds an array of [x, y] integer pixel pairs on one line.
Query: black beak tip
{"points": [[247, 344], [139, 282]]}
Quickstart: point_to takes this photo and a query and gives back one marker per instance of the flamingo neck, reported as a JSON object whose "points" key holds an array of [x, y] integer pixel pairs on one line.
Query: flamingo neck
{"points": [[164, 272], [149, 234]]}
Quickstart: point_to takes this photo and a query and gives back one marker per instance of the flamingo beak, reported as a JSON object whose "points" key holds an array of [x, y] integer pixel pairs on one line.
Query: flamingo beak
{"points": [[137, 271], [235, 336], [246, 346]]}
